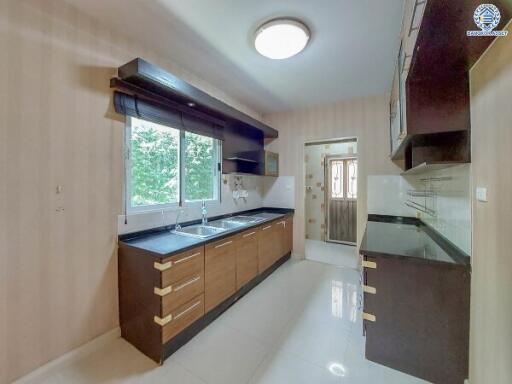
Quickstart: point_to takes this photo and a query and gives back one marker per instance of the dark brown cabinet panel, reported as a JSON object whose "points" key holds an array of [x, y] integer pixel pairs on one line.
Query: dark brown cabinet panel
{"points": [[437, 105], [418, 317]]}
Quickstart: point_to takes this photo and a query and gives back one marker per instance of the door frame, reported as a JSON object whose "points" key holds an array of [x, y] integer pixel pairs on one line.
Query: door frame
{"points": [[346, 139], [327, 192]]}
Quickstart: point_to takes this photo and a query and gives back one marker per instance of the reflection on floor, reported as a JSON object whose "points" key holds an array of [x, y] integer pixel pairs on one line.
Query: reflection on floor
{"points": [[340, 255], [301, 325]]}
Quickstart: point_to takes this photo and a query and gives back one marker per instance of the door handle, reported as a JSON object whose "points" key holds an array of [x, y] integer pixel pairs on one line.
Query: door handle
{"points": [[223, 244], [187, 258]]}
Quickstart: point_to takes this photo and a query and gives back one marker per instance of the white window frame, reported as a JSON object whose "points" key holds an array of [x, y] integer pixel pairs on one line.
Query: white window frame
{"points": [[129, 209], [215, 171]]}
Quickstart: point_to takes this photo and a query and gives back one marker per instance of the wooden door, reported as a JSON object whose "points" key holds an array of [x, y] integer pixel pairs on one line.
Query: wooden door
{"points": [[220, 271], [341, 199], [247, 257]]}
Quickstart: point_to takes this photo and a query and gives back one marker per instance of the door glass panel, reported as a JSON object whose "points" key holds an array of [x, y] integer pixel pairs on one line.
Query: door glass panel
{"points": [[337, 179], [352, 179]]}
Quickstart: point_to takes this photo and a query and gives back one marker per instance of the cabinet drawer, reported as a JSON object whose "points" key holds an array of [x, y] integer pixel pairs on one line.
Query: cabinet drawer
{"points": [[179, 293], [181, 318], [181, 266]]}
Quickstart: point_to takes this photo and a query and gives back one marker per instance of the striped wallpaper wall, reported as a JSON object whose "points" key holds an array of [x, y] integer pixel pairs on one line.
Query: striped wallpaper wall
{"points": [[58, 261], [367, 119]]}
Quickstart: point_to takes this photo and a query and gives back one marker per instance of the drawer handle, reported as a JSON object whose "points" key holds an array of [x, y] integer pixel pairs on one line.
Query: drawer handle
{"points": [[249, 234], [266, 228], [283, 223], [163, 291], [368, 289], [369, 317], [223, 244], [162, 267], [191, 281], [369, 264], [187, 258], [186, 310], [164, 321]]}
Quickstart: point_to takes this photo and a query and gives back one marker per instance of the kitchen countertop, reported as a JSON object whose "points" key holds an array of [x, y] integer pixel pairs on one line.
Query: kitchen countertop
{"points": [[164, 243], [408, 238]]}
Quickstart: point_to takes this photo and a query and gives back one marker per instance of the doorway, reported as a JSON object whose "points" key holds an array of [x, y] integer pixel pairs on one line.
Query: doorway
{"points": [[330, 184]]}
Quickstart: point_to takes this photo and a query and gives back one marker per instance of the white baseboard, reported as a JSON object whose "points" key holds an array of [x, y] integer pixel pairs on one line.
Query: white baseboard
{"points": [[60, 362]]}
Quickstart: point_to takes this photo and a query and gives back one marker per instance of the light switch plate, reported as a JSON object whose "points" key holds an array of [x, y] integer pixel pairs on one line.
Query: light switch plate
{"points": [[481, 194]]}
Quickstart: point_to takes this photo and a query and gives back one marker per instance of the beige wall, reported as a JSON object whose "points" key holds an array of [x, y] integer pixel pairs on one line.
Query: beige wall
{"points": [[58, 264], [491, 296], [367, 119]]}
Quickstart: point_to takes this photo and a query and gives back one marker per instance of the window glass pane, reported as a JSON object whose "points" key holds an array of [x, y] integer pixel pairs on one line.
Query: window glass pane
{"points": [[200, 167], [154, 164], [337, 179], [352, 179]]}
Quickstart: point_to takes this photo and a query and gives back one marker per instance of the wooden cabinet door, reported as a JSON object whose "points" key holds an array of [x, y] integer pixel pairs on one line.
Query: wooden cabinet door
{"points": [[266, 247], [279, 239], [247, 257], [288, 229], [220, 271]]}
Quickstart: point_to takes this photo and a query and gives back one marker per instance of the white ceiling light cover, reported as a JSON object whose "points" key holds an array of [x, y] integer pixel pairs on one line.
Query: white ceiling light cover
{"points": [[281, 38]]}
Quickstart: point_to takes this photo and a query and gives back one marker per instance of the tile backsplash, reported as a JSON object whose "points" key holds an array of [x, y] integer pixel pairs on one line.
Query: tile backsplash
{"points": [[448, 200], [451, 202]]}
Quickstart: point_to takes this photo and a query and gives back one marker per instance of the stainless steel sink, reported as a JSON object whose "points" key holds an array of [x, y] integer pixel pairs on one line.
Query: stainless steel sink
{"points": [[217, 227], [225, 224], [246, 219], [199, 231]]}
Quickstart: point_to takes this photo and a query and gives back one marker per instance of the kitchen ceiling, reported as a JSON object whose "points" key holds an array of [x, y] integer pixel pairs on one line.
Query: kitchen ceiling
{"points": [[351, 53]]}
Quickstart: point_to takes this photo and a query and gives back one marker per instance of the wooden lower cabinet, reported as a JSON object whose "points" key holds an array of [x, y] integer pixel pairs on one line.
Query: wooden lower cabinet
{"points": [[247, 257], [417, 317], [266, 247], [288, 235], [164, 302], [220, 271]]}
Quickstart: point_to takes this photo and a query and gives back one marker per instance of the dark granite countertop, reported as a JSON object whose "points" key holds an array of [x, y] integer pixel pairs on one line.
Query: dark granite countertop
{"points": [[162, 242], [410, 238]]}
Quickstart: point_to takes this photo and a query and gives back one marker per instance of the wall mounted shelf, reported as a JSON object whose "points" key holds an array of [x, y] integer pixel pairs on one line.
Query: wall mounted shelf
{"points": [[427, 167]]}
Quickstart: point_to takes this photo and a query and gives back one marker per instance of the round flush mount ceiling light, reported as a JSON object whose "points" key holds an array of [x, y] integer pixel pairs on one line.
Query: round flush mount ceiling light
{"points": [[281, 38]]}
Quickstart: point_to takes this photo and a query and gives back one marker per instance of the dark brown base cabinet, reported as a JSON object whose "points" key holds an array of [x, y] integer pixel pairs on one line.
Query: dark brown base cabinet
{"points": [[416, 317], [165, 301]]}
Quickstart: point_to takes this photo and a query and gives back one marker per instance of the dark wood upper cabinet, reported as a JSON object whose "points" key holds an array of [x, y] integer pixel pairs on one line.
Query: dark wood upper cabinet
{"points": [[158, 81], [438, 119], [243, 136]]}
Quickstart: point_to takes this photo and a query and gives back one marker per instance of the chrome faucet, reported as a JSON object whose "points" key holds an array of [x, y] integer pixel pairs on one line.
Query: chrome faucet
{"points": [[204, 212], [178, 226]]}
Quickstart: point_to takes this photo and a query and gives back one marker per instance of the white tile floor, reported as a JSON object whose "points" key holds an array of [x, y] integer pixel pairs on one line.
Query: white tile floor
{"points": [[340, 255], [300, 325]]}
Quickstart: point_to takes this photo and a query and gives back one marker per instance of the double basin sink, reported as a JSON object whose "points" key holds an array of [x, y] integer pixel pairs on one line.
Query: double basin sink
{"points": [[217, 227]]}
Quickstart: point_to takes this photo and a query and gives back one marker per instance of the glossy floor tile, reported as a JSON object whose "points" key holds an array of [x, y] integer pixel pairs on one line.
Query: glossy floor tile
{"points": [[300, 325], [340, 255]]}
